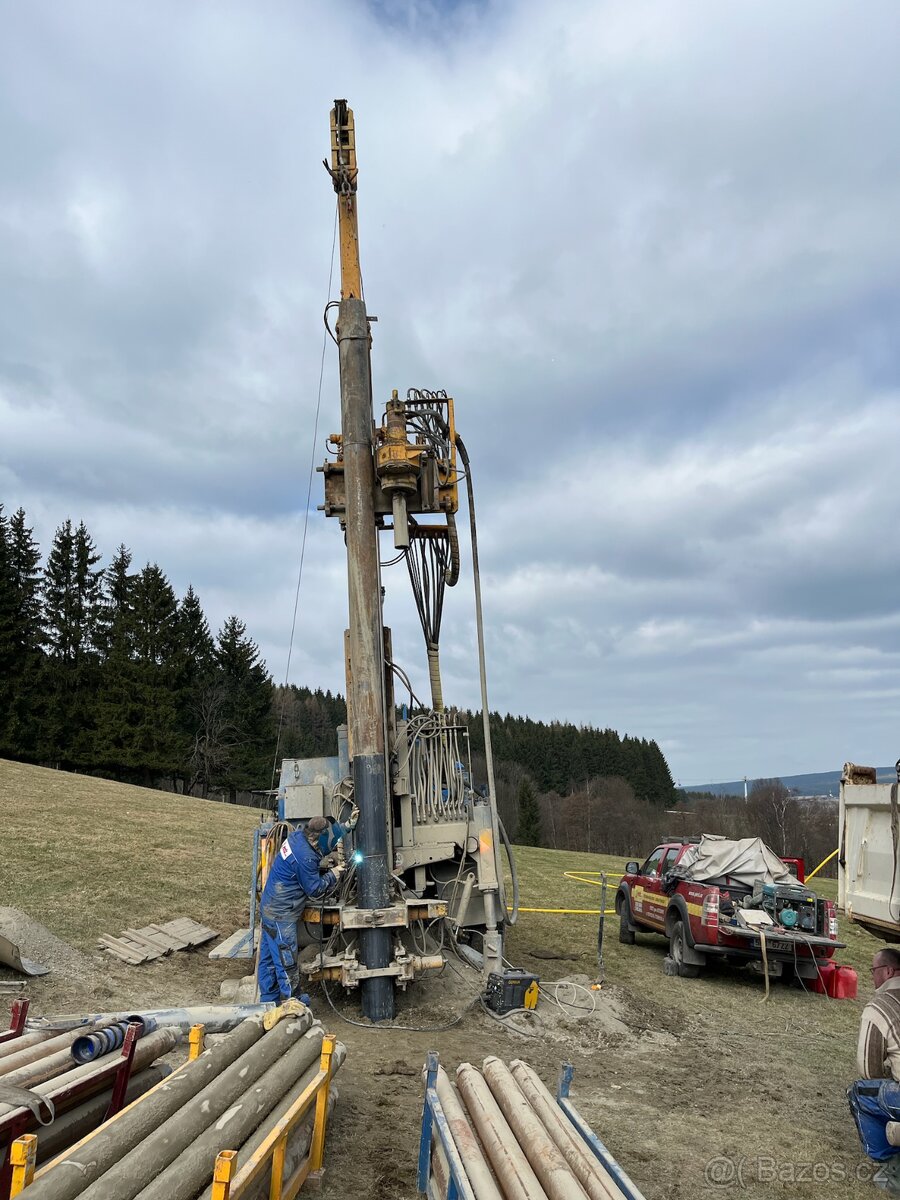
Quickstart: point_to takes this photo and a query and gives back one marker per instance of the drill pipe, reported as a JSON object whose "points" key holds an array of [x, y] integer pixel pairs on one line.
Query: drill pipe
{"points": [[299, 1140], [66, 1178], [593, 1177], [59, 1062], [540, 1149], [48, 1045], [32, 1038], [215, 1018], [145, 1051], [511, 1167], [73, 1125], [470, 1152], [140, 1166], [186, 1174]]}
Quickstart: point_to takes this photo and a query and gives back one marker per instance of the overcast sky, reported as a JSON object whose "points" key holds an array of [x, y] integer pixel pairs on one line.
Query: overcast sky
{"points": [[652, 250]]}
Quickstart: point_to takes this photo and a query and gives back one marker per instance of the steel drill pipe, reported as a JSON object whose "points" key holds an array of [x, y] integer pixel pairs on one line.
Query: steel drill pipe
{"points": [[215, 1018], [298, 1142], [140, 1166], [296, 1150], [69, 1127], [549, 1165], [591, 1174], [514, 1173], [193, 1168], [477, 1169], [23, 1042], [49, 1065], [365, 702], [66, 1179], [94, 1076], [43, 1049]]}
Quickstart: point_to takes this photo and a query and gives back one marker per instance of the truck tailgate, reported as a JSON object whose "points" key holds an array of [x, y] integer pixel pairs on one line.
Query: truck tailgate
{"points": [[787, 942]]}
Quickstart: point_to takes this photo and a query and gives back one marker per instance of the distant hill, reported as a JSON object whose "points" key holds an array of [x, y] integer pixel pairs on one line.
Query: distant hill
{"points": [[819, 783]]}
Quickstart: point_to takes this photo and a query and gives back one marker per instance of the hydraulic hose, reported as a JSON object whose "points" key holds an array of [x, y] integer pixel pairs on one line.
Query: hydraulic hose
{"points": [[512, 916]]}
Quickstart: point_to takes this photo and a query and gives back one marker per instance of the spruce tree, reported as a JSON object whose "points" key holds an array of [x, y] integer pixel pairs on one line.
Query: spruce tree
{"points": [[155, 630], [7, 626], [246, 710], [529, 832], [72, 609], [195, 690], [20, 712]]}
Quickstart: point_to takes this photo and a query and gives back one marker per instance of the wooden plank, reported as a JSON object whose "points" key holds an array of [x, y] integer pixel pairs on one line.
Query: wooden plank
{"points": [[141, 945], [121, 950], [143, 939], [192, 932], [226, 949], [164, 936]]}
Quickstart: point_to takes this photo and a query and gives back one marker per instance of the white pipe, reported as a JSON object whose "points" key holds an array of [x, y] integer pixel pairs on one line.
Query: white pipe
{"points": [[541, 1151]]}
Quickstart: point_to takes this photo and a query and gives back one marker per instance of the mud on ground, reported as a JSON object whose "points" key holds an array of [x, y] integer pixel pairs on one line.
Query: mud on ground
{"points": [[674, 1075]]}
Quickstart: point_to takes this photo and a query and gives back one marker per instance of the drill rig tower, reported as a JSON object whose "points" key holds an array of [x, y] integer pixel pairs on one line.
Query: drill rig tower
{"points": [[426, 853]]}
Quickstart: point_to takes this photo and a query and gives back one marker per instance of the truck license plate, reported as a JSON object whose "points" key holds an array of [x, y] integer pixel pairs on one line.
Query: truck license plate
{"points": [[775, 944]]}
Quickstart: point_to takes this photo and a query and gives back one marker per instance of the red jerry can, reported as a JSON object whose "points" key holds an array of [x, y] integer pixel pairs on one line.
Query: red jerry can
{"points": [[843, 984], [824, 980]]}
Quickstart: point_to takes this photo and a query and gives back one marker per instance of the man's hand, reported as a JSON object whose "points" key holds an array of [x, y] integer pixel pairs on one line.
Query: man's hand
{"points": [[354, 817], [338, 871]]}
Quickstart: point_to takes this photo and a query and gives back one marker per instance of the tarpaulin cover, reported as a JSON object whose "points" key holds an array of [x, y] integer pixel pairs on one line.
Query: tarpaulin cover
{"points": [[745, 860]]}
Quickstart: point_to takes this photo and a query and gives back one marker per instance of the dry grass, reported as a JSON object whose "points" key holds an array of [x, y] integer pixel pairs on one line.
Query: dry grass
{"points": [[87, 856], [709, 1068]]}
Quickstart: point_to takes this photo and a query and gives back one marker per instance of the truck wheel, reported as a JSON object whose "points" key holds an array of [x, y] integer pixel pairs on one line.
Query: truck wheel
{"points": [[626, 933], [676, 953]]}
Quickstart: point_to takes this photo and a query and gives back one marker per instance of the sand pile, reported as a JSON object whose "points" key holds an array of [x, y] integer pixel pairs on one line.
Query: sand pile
{"points": [[35, 941]]}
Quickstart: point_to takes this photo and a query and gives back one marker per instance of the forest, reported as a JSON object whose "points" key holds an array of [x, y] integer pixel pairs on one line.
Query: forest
{"points": [[105, 671]]}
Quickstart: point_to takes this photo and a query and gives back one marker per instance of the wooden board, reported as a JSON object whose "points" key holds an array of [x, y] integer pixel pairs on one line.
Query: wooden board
{"points": [[136, 946]]}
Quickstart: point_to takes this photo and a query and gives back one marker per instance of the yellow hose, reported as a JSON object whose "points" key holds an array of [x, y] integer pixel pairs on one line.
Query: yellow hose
{"points": [[823, 863]]}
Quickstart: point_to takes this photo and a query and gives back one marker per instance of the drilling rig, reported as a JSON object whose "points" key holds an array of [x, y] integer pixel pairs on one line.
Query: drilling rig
{"points": [[424, 862]]}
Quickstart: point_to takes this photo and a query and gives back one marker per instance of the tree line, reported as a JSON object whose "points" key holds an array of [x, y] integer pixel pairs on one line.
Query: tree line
{"points": [[606, 816], [103, 669]]}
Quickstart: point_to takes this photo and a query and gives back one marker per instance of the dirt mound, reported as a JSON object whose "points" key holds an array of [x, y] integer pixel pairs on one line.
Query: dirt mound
{"points": [[35, 941]]}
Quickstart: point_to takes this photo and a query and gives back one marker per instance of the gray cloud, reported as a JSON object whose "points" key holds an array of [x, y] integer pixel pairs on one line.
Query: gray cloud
{"points": [[650, 250]]}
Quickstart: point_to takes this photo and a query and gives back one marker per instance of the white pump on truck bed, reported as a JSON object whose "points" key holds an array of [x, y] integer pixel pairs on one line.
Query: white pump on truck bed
{"points": [[869, 847]]}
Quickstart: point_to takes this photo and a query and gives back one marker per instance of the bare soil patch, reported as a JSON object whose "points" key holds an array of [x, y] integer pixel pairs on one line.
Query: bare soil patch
{"points": [[672, 1073]]}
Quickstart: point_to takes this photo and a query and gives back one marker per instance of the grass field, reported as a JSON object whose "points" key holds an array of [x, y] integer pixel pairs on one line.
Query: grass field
{"points": [[684, 1072], [87, 856]]}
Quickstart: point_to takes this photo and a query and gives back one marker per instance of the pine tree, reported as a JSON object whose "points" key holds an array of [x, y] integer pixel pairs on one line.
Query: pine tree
{"points": [[7, 624], [194, 687], [245, 710], [20, 714], [529, 832], [156, 747], [72, 594]]}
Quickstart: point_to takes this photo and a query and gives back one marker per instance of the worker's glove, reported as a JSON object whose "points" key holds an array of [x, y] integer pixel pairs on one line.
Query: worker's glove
{"points": [[354, 817], [328, 862], [338, 871]]}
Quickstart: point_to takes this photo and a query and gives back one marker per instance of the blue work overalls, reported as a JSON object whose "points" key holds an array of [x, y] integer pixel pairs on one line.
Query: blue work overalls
{"points": [[294, 881]]}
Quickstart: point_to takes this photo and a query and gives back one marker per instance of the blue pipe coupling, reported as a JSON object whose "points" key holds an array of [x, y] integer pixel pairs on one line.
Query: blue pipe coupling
{"points": [[91, 1046]]}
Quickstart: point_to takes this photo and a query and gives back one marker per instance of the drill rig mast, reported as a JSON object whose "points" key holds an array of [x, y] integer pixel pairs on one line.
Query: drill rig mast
{"points": [[426, 848]]}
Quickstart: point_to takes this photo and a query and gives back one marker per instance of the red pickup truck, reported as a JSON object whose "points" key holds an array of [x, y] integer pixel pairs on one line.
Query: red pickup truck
{"points": [[717, 896]]}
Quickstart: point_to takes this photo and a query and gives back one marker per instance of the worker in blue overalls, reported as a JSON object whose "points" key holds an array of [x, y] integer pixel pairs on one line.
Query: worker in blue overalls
{"points": [[295, 879]]}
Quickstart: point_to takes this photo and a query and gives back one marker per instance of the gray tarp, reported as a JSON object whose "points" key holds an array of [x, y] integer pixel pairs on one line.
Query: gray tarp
{"points": [[745, 860]]}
